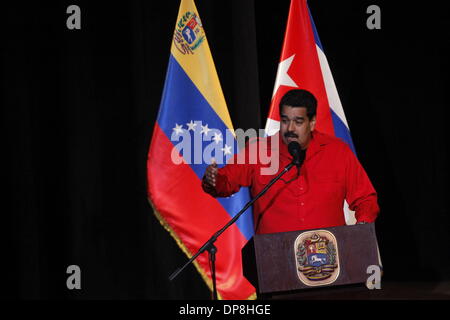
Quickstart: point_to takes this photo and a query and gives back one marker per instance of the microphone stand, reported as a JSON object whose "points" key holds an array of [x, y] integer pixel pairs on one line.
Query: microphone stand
{"points": [[209, 245]]}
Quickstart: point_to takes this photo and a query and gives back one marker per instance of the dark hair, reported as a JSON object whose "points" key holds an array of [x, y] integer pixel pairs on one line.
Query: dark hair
{"points": [[300, 98]]}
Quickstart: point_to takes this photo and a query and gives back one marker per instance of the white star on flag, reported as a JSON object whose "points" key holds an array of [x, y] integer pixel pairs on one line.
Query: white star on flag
{"points": [[226, 150], [191, 125], [178, 128], [217, 137], [205, 129], [283, 79]]}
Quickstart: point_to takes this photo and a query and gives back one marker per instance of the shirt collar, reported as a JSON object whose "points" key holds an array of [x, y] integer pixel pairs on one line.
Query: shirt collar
{"points": [[318, 141]]}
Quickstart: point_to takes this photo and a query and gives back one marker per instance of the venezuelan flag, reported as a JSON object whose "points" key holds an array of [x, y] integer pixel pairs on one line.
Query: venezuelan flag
{"points": [[194, 126]]}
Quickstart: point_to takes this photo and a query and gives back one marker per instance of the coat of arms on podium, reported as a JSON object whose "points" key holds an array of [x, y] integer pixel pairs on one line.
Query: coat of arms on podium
{"points": [[317, 258]]}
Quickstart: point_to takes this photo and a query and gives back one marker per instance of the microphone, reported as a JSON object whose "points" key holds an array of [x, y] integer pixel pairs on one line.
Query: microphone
{"points": [[297, 153]]}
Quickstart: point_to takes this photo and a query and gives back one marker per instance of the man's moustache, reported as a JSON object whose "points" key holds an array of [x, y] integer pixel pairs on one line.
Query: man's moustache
{"points": [[290, 135]]}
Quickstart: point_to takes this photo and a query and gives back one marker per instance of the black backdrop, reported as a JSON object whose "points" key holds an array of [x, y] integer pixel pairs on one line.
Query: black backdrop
{"points": [[78, 107]]}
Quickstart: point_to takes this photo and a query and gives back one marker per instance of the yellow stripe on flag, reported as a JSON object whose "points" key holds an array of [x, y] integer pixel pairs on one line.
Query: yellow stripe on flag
{"points": [[190, 48]]}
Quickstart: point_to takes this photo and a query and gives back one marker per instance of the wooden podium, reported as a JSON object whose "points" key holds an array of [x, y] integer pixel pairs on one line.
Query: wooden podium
{"points": [[290, 261]]}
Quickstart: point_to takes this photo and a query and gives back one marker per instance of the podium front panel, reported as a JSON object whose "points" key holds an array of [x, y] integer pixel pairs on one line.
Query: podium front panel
{"points": [[310, 258]]}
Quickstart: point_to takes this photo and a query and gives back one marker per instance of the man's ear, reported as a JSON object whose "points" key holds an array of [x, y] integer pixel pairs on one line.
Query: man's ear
{"points": [[313, 123]]}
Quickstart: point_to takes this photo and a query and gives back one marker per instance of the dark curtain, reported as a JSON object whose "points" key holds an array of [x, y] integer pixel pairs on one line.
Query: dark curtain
{"points": [[78, 108]]}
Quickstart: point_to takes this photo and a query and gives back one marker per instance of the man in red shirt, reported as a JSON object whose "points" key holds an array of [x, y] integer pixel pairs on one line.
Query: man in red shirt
{"points": [[309, 198]]}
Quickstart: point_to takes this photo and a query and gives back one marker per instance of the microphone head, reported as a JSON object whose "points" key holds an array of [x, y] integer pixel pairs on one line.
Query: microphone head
{"points": [[297, 153], [294, 147]]}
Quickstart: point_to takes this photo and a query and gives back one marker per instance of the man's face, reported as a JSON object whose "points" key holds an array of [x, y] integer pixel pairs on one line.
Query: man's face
{"points": [[296, 126]]}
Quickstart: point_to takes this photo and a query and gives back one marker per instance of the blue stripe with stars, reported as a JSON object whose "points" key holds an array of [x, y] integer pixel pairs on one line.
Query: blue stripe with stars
{"points": [[199, 134]]}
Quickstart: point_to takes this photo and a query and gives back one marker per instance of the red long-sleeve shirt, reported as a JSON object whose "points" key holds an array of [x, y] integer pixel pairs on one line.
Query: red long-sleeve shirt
{"points": [[315, 199]]}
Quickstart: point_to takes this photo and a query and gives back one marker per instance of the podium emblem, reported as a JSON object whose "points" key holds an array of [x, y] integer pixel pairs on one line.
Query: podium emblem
{"points": [[317, 258]]}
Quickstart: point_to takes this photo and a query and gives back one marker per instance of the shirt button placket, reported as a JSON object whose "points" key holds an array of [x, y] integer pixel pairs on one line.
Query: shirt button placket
{"points": [[301, 200], [301, 210]]}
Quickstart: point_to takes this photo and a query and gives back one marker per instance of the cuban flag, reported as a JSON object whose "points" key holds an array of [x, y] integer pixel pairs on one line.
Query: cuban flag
{"points": [[303, 65], [193, 127]]}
